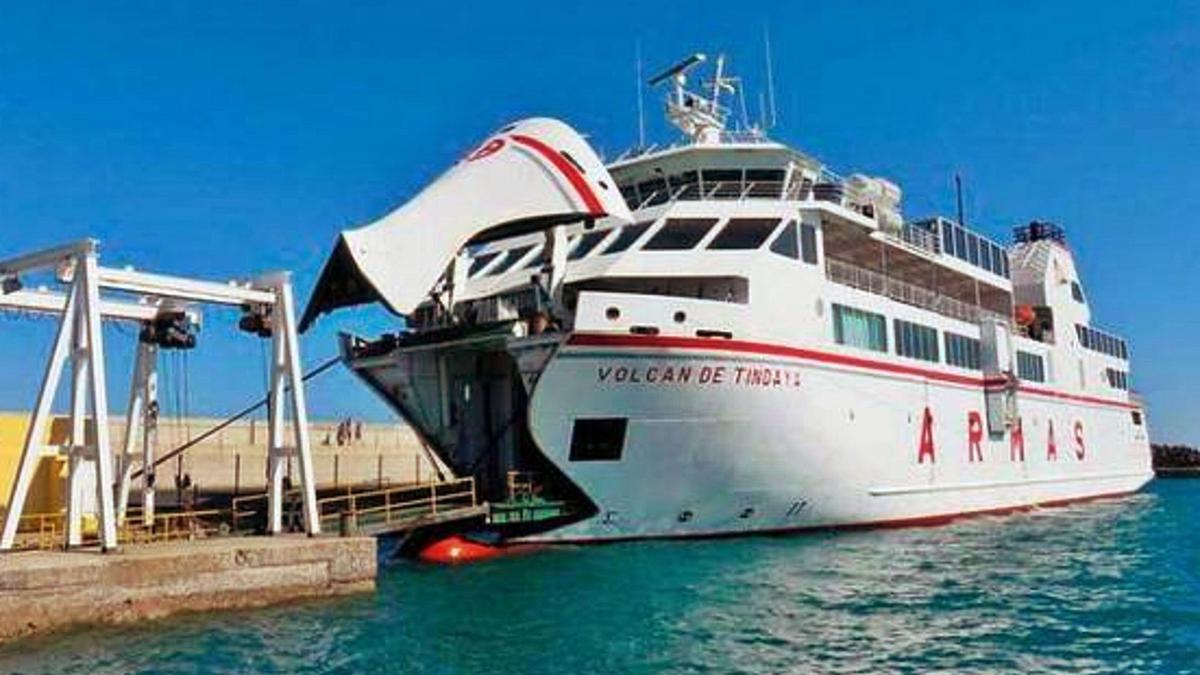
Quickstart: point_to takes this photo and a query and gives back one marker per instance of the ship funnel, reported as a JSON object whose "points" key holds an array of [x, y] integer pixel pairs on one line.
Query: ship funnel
{"points": [[527, 176]]}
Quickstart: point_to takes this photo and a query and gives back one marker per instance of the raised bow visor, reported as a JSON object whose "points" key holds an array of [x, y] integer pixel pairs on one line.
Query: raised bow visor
{"points": [[527, 176]]}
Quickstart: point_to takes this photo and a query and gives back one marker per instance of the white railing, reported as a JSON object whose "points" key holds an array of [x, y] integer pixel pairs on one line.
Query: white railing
{"points": [[848, 274]]}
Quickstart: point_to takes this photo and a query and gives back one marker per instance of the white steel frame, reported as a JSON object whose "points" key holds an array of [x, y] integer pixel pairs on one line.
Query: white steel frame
{"points": [[79, 341]]}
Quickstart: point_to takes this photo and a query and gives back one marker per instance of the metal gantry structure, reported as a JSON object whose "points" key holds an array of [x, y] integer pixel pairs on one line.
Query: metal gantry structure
{"points": [[92, 464]]}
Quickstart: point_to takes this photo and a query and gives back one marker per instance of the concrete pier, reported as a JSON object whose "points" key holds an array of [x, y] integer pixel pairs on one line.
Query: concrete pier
{"points": [[47, 590]]}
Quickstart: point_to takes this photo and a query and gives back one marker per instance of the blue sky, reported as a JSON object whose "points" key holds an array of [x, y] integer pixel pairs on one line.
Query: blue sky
{"points": [[218, 139]]}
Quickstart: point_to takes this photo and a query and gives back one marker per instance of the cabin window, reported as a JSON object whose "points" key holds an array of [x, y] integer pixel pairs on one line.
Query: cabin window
{"points": [[960, 243], [962, 351], [514, 256], [1117, 379], [858, 328], [808, 243], [1098, 341], [947, 238], [743, 233], [587, 242], [627, 236], [1076, 291], [599, 439], [679, 234], [1137, 417], [916, 341], [480, 262], [787, 244], [1031, 367]]}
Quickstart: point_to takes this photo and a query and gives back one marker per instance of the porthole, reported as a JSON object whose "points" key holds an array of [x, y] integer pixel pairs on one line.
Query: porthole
{"points": [[680, 317], [612, 313], [685, 516]]}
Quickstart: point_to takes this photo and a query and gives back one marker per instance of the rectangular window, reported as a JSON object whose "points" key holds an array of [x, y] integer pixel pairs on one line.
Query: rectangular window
{"points": [[626, 237], [587, 242], [916, 341], [481, 262], [857, 328], [960, 243], [685, 185], [514, 256], [785, 243], [808, 243], [764, 182], [743, 234], [722, 183], [1031, 367], [1076, 291], [973, 249], [963, 351], [947, 238], [679, 234], [653, 191], [601, 439]]}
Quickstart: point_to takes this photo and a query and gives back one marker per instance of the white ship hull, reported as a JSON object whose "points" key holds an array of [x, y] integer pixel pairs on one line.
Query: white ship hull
{"points": [[822, 445]]}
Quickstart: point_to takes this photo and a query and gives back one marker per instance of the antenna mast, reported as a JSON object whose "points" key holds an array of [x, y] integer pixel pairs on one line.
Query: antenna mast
{"points": [[770, 73], [640, 106]]}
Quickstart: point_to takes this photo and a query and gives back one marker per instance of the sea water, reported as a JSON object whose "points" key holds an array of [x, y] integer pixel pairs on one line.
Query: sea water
{"points": [[1102, 587]]}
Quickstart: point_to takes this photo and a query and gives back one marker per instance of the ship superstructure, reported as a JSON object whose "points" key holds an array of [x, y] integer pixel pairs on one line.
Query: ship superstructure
{"points": [[724, 336]]}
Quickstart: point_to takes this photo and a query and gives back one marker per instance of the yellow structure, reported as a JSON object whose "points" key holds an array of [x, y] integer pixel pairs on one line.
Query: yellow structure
{"points": [[47, 494]]}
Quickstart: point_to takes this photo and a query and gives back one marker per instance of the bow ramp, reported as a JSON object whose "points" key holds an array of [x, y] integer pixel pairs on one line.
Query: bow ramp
{"points": [[527, 176]]}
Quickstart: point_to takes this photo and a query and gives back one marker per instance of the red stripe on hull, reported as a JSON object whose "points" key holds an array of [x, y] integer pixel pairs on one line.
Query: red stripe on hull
{"points": [[767, 349], [566, 169], [937, 520]]}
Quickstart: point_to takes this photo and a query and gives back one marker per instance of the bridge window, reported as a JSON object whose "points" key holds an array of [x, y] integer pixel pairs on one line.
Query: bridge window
{"points": [[808, 243], [764, 182], [916, 341], [598, 440], [627, 236], [1031, 367], [685, 185], [786, 244], [859, 328], [653, 191], [1076, 291], [680, 234], [722, 183], [743, 233], [587, 242], [962, 351]]}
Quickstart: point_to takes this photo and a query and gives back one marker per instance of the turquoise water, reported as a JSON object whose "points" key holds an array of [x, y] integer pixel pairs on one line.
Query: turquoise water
{"points": [[1103, 587]]}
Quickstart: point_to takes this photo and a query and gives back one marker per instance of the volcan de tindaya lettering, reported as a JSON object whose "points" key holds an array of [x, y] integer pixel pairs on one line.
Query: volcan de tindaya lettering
{"points": [[724, 337]]}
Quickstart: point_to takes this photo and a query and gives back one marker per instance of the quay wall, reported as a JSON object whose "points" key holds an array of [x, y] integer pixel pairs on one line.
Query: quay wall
{"points": [[51, 590]]}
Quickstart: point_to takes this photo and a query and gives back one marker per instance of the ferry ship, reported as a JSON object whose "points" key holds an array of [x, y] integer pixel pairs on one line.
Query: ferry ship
{"points": [[725, 337]]}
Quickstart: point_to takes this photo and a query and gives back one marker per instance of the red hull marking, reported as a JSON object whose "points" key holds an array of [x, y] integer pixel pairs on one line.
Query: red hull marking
{"points": [[565, 168], [746, 347], [897, 523]]}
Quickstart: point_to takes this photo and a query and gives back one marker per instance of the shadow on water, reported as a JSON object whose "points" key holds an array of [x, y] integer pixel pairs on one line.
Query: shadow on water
{"points": [[1102, 587]]}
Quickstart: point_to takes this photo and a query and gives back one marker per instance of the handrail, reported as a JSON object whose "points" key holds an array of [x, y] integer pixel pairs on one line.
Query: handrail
{"points": [[849, 274]]}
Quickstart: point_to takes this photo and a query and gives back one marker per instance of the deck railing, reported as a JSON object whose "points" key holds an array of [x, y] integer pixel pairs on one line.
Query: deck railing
{"points": [[849, 274]]}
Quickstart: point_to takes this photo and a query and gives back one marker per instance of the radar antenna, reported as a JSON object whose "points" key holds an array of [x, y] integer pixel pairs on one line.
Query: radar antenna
{"points": [[702, 118]]}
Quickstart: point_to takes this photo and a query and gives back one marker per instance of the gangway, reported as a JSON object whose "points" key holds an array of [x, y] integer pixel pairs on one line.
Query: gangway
{"points": [[162, 308]]}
